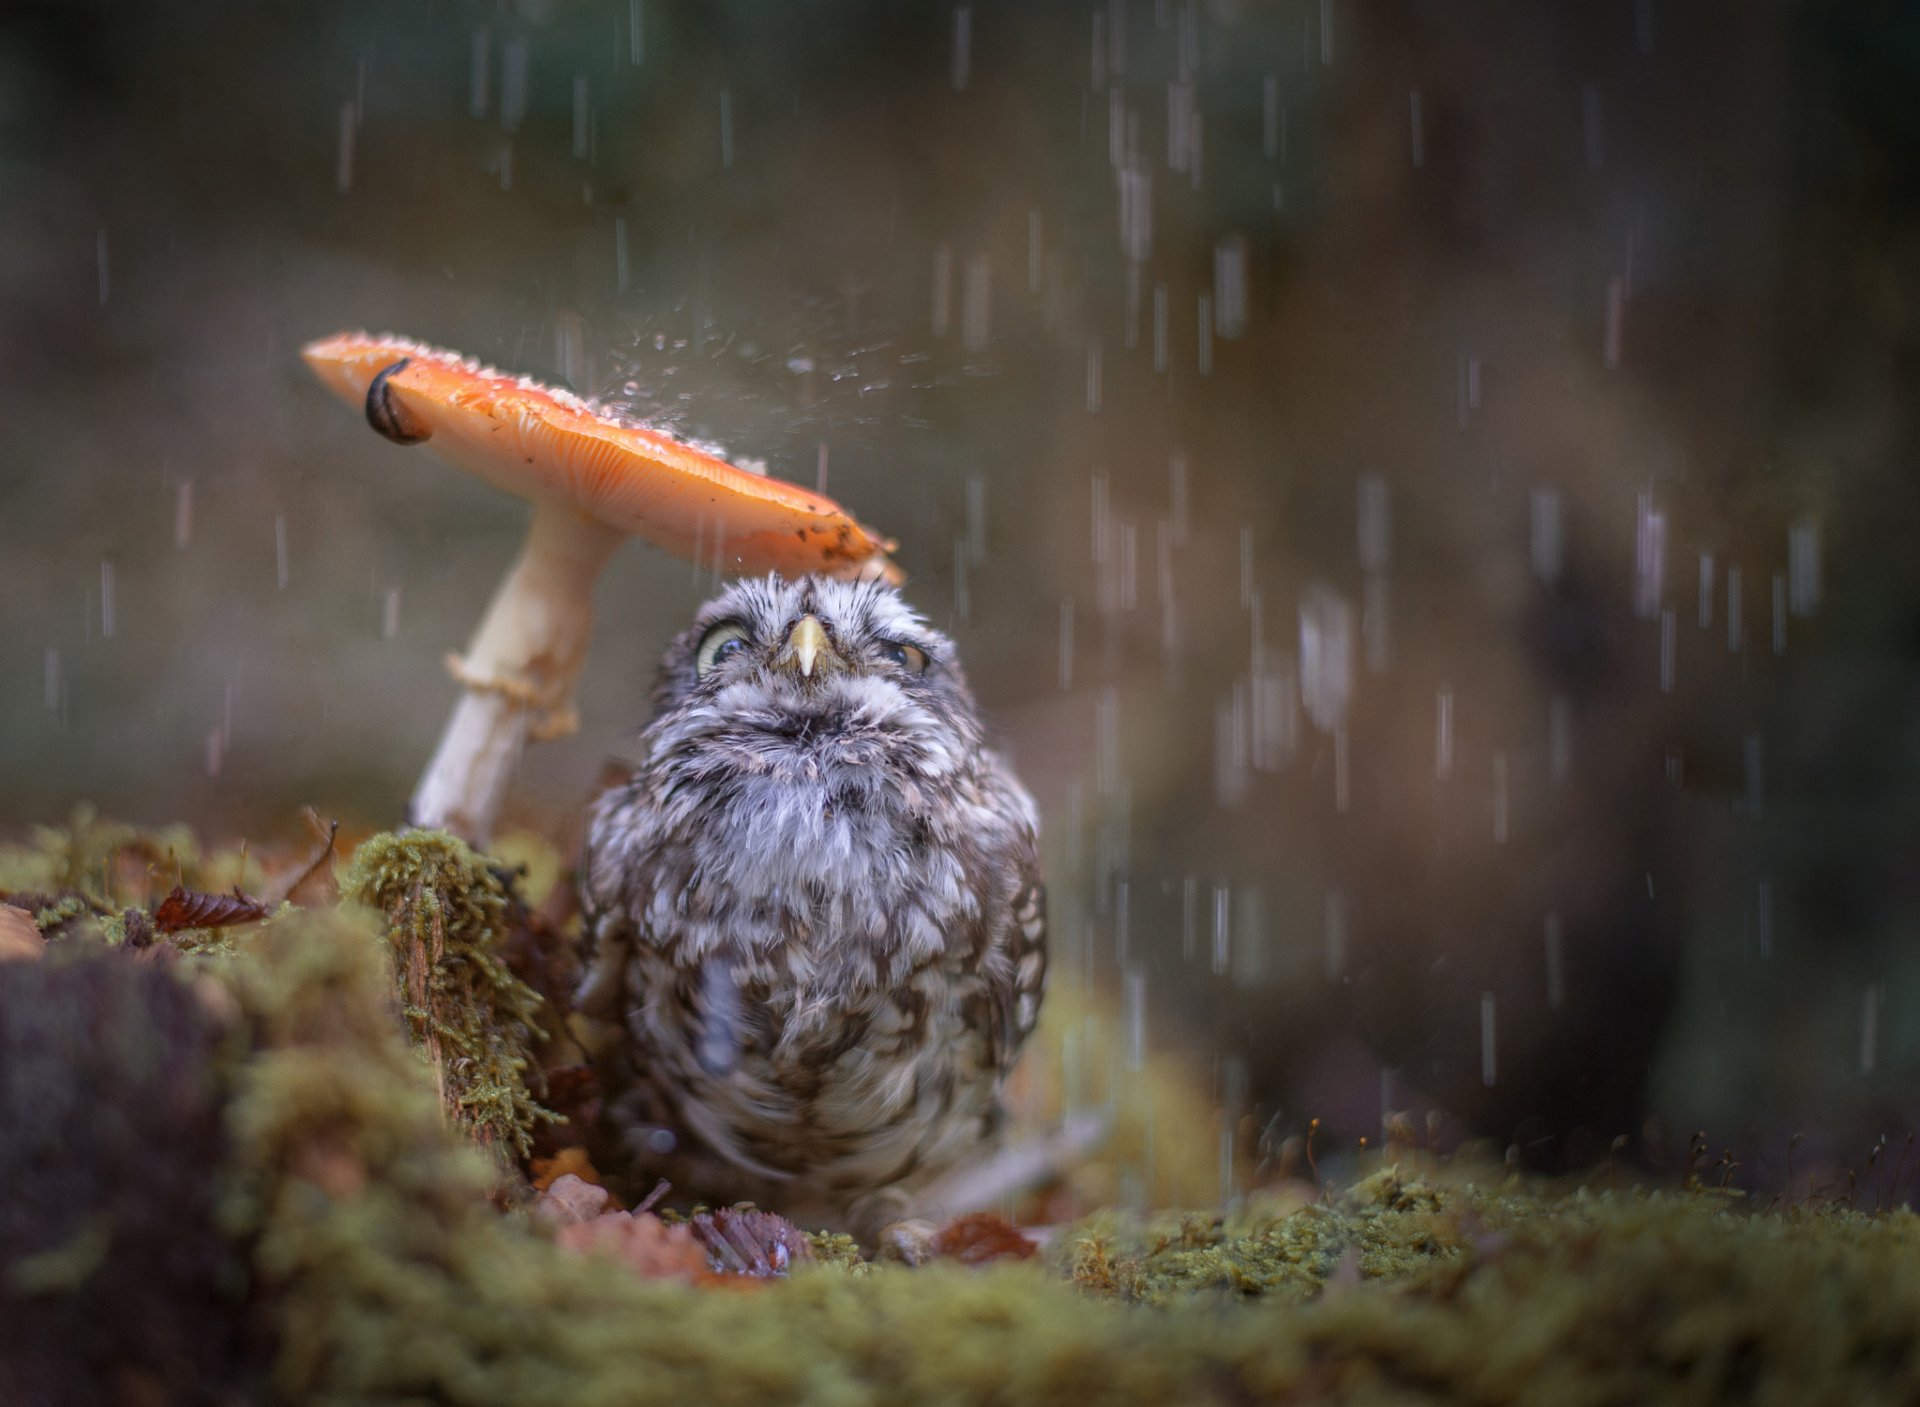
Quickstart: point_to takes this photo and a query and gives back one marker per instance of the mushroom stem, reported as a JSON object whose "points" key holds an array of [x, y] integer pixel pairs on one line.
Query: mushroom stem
{"points": [[519, 672]]}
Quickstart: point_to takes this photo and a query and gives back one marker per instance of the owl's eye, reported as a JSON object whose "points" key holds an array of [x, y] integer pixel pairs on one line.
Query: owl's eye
{"points": [[911, 658], [720, 643]]}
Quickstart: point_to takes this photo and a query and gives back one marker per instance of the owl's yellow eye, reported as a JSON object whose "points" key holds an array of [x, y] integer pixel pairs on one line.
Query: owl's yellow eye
{"points": [[720, 643], [911, 658]]}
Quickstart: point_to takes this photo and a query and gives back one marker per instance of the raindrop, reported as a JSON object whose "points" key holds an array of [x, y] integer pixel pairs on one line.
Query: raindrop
{"points": [[390, 614], [1232, 747], [1763, 907], [720, 1020], [1443, 735], [1196, 127], [1179, 123], [1102, 520], [1734, 634], [1376, 623], [1189, 916], [1129, 564], [1779, 613], [215, 752], [1326, 33], [636, 32], [1500, 798], [726, 128], [477, 73], [976, 513], [1093, 375], [1135, 1008], [1160, 327], [1034, 249], [962, 47], [942, 288], [1649, 557], [1616, 323], [1750, 753], [1643, 25], [1230, 286], [1803, 566], [183, 513], [106, 601], [976, 304], [50, 680], [1116, 37], [1097, 72], [1545, 539], [1669, 640], [1066, 645], [1488, 1068], [1326, 656], [1556, 965], [962, 601], [343, 167], [1342, 771], [1106, 741], [1706, 590], [1375, 523], [1177, 493], [1593, 134], [1417, 131], [1136, 213], [1222, 928], [1336, 925], [513, 84], [582, 109], [1559, 739], [1871, 1002]]}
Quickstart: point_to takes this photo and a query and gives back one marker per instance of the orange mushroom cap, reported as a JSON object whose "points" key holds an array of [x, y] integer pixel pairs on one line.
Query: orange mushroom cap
{"points": [[538, 441]]}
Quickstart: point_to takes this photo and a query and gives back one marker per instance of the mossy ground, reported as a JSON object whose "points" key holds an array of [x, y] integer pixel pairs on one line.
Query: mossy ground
{"points": [[369, 1265]]}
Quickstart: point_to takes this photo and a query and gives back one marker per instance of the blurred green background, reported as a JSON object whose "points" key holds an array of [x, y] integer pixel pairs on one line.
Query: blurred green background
{"points": [[1423, 489]]}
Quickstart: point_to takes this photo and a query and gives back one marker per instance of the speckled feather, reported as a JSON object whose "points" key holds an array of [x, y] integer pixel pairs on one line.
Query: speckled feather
{"points": [[818, 934]]}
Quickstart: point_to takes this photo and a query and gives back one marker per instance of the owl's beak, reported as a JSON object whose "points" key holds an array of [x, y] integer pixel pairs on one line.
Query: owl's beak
{"points": [[807, 646]]}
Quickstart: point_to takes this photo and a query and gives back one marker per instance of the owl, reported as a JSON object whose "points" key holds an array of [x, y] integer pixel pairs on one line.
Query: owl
{"points": [[816, 921]]}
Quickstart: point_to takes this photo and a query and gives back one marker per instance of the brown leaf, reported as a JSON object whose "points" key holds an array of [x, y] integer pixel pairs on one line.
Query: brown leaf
{"points": [[20, 936], [979, 1237], [571, 1161], [186, 908]]}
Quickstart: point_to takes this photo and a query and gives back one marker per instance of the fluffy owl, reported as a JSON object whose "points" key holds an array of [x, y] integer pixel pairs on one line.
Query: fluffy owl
{"points": [[816, 920]]}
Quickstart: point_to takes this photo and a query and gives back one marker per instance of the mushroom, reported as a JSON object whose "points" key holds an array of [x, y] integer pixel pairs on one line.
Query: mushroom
{"points": [[594, 480]]}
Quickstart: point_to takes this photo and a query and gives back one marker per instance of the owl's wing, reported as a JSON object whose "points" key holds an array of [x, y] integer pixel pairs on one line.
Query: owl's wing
{"points": [[1018, 979]]}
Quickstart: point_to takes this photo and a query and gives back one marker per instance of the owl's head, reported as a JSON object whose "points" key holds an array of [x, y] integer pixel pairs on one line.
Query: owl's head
{"points": [[814, 672]]}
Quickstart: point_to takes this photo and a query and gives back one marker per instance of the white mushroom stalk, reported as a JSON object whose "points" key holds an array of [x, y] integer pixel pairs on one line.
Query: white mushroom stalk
{"points": [[518, 675], [593, 480]]}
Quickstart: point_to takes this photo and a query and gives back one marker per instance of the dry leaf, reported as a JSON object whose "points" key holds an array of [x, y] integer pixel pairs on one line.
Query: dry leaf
{"points": [[185, 908], [20, 937], [979, 1237], [568, 1162]]}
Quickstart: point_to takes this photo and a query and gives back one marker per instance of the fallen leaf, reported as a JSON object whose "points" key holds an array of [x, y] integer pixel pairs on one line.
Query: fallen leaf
{"points": [[568, 1162], [20, 937], [979, 1237], [186, 908]]}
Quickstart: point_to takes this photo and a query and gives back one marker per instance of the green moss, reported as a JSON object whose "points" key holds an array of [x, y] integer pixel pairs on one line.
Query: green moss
{"points": [[446, 918]]}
